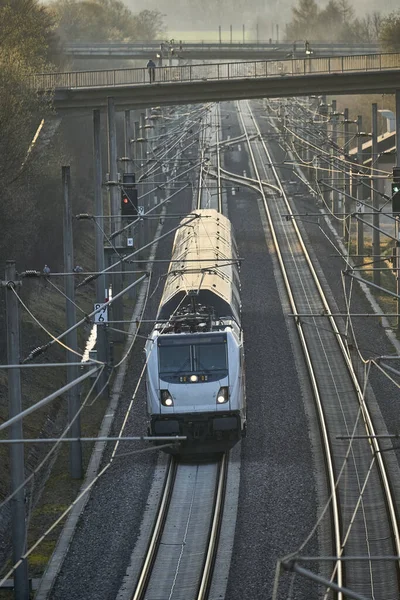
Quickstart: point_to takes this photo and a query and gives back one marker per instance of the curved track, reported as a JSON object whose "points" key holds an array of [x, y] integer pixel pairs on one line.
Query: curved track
{"points": [[363, 515]]}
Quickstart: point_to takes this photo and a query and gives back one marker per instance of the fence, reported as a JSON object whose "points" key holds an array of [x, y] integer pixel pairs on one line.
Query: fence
{"points": [[217, 71]]}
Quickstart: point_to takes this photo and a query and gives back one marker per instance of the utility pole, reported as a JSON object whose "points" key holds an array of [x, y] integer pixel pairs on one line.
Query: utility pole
{"points": [[127, 140], [360, 188], [129, 168], [323, 112], [346, 220], [219, 34], [332, 153], [335, 199], [101, 292], [71, 339], [114, 192], [376, 238], [244, 33], [136, 135], [18, 523], [143, 153], [231, 32], [396, 173], [138, 169]]}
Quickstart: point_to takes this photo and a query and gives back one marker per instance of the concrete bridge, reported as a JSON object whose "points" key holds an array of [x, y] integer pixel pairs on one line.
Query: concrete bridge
{"points": [[130, 88], [213, 51]]}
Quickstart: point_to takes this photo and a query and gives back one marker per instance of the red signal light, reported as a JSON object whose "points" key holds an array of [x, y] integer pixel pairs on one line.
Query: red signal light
{"points": [[125, 200]]}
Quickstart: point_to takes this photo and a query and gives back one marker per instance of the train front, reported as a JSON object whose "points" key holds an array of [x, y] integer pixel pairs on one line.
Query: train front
{"points": [[195, 388]]}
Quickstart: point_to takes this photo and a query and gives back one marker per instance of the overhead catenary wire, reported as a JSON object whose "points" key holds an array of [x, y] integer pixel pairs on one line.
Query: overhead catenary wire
{"points": [[64, 514]]}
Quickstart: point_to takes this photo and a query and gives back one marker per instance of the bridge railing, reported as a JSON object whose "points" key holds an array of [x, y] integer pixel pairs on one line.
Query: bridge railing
{"points": [[218, 71]]}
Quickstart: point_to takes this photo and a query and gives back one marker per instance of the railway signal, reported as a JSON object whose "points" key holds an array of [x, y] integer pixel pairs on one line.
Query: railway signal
{"points": [[129, 196], [396, 191]]}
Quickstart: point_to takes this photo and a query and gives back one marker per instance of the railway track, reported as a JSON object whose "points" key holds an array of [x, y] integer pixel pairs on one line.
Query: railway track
{"points": [[362, 509], [179, 561], [180, 557]]}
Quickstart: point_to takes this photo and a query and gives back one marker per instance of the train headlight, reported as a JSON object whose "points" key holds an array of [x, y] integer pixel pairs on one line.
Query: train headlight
{"points": [[166, 398], [194, 378], [223, 395]]}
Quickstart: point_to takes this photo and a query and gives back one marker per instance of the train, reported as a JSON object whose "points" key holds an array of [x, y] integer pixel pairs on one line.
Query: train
{"points": [[195, 376]]}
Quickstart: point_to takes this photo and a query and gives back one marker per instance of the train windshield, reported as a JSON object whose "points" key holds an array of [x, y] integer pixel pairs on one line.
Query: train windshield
{"points": [[193, 354]]}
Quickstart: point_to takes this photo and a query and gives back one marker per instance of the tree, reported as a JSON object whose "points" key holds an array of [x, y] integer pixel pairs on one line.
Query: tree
{"points": [[335, 22], [330, 22], [346, 11], [305, 17], [389, 34], [103, 20], [26, 34], [149, 25], [27, 43]]}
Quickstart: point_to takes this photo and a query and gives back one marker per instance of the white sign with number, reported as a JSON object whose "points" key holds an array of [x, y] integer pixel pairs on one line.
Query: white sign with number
{"points": [[129, 242], [359, 207], [140, 210], [102, 315]]}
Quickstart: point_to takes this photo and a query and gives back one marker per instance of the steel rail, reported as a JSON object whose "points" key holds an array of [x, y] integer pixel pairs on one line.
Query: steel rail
{"points": [[313, 379], [374, 439], [214, 531], [161, 519], [210, 550], [157, 531], [346, 356]]}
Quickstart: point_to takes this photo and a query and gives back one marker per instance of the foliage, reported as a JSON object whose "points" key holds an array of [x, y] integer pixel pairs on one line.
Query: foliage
{"points": [[367, 29], [390, 32], [335, 22], [103, 20], [304, 20], [27, 42], [27, 37], [149, 24]]}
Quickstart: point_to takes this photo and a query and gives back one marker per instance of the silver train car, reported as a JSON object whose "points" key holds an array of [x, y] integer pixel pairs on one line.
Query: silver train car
{"points": [[195, 376]]}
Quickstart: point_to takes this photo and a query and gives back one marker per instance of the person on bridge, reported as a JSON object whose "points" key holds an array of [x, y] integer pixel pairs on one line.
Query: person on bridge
{"points": [[151, 68]]}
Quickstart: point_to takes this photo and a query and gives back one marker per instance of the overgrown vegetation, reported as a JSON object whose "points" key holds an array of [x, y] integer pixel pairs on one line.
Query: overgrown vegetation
{"points": [[102, 20], [389, 34], [31, 214], [337, 22]]}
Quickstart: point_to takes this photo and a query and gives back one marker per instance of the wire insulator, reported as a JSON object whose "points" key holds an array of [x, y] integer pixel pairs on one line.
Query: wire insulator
{"points": [[87, 280], [83, 216], [30, 273], [36, 352]]}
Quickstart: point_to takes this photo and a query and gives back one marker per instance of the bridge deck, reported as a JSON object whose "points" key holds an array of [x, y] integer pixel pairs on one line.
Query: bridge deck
{"points": [[219, 71], [213, 51], [370, 73]]}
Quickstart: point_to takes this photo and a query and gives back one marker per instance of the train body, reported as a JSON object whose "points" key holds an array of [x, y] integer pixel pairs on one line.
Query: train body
{"points": [[195, 357]]}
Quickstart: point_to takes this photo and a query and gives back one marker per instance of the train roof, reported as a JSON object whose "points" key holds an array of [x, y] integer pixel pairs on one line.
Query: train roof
{"points": [[204, 266]]}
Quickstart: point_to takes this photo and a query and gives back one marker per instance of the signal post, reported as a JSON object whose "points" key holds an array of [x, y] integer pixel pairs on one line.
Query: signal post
{"points": [[396, 206]]}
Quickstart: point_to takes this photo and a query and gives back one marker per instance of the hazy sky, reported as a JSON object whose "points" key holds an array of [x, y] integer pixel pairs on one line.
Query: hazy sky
{"points": [[189, 15], [183, 15]]}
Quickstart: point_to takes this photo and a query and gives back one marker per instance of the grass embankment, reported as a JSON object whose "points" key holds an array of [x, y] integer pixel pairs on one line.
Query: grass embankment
{"points": [[47, 500]]}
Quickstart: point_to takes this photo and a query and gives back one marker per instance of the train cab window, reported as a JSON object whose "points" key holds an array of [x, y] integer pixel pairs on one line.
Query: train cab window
{"points": [[203, 355], [210, 357], [175, 359]]}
